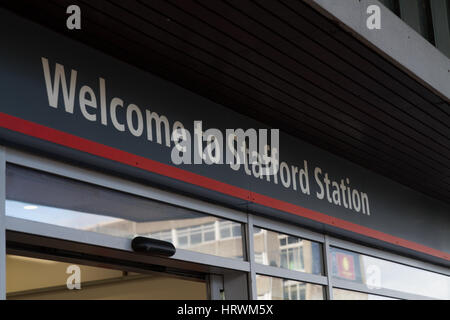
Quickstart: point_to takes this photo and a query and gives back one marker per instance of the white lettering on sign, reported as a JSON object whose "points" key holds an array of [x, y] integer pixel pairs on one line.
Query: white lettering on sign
{"points": [[340, 193], [248, 150]]}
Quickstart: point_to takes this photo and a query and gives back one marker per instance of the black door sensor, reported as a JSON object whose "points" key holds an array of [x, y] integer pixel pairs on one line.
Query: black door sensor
{"points": [[153, 246]]}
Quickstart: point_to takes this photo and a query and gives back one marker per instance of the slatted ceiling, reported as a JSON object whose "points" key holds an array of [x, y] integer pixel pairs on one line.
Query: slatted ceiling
{"points": [[402, 82], [261, 64], [357, 59], [346, 120], [140, 10], [415, 89], [337, 80]]}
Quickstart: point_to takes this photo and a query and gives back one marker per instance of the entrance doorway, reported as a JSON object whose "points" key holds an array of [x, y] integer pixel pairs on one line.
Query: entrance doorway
{"points": [[36, 278]]}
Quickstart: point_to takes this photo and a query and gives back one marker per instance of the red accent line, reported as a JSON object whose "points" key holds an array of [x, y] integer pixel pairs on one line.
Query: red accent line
{"points": [[68, 140]]}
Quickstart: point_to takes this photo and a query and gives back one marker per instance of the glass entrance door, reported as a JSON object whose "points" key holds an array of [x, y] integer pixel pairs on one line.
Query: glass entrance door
{"points": [[36, 278]]}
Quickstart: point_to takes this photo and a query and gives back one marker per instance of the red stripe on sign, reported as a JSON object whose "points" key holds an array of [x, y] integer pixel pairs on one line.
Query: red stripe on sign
{"points": [[68, 140]]}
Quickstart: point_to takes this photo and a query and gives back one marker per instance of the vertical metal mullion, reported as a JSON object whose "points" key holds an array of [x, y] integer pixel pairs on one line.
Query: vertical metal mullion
{"points": [[215, 286], [328, 266], [253, 295], [2, 225], [440, 10]]}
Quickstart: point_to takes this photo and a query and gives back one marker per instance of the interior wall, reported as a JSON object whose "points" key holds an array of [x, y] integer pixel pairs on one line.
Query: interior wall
{"points": [[35, 279]]}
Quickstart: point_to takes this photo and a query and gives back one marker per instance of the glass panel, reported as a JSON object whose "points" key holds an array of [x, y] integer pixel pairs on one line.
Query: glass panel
{"points": [[270, 288], [236, 230], [209, 232], [288, 252], [225, 230], [340, 294], [377, 273], [36, 279], [46, 198]]}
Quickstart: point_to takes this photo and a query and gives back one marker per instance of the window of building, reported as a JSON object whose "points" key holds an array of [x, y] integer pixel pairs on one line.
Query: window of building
{"points": [[288, 252], [376, 273], [271, 288], [45, 198], [341, 294], [230, 229]]}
